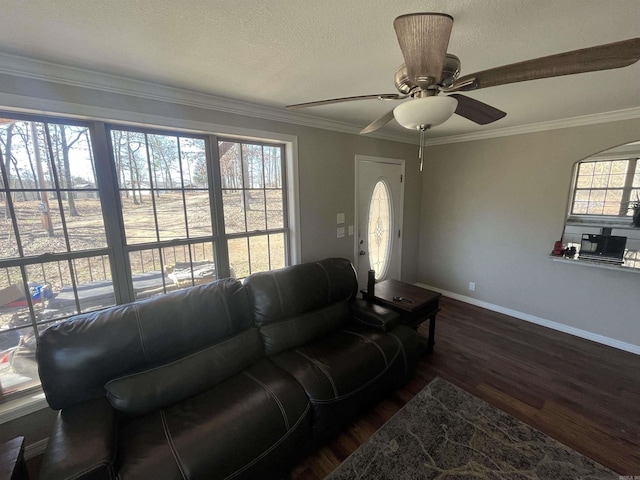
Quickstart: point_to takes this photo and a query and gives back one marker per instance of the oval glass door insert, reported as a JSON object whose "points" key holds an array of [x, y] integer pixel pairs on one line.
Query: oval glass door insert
{"points": [[379, 228]]}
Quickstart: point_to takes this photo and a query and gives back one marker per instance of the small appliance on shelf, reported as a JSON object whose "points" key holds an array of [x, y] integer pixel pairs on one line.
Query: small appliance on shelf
{"points": [[603, 248]]}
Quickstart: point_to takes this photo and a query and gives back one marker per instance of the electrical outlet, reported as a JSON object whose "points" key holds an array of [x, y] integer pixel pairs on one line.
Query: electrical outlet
{"points": [[472, 286], [340, 232]]}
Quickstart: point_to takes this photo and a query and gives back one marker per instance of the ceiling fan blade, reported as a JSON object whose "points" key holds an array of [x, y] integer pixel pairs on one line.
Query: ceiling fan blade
{"points": [[376, 124], [477, 111], [602, 57], [381, 96], [423, 39]]}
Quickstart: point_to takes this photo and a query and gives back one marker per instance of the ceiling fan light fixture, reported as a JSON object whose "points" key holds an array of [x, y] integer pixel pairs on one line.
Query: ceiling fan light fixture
{"points": [[425, 112]]}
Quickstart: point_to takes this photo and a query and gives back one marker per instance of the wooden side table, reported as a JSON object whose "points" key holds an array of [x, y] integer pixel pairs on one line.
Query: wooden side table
{"points": [[415, 304], [12, 464]]}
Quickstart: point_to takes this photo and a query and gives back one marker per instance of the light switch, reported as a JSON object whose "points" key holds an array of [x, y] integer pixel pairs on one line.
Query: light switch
{"points": [[340, 218], [351, 230], [340, 232]]}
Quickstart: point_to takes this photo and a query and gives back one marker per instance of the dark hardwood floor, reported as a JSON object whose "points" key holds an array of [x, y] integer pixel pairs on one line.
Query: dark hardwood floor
{"points": [[581, 393]]}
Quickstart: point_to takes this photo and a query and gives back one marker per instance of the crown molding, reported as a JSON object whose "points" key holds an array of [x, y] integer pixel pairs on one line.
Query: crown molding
{"points": [[80, 77], [597, 118]]}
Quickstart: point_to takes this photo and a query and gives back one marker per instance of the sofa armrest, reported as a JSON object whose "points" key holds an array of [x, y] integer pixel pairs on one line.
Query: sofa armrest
{"points": [[374, 316], [82, 444]]}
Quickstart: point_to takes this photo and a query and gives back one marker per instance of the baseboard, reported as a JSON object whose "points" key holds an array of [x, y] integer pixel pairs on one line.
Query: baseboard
{"points": [[611, 342], [35, 449]]}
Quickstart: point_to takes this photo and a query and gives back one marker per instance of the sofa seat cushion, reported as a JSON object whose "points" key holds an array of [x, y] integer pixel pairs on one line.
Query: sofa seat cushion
{"points": [[342, 363], [245, 427], [349, 368]]}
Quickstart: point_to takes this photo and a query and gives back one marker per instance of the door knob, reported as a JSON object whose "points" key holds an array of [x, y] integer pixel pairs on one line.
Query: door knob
{"points": [[362, 252]]}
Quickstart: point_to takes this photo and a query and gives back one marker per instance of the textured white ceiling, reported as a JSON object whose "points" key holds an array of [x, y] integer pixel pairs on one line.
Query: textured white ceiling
{"points": [[279, 52]]}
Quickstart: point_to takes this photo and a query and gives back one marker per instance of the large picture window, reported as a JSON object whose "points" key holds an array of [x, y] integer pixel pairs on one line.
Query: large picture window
{"points": [[94, 215]]}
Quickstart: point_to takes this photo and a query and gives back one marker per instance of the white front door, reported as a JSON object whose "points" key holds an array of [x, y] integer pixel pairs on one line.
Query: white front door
{"points": [[379, 205]]}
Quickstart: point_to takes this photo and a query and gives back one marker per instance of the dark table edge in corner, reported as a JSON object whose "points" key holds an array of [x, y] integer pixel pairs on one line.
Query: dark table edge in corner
{"points": [[12, 462], [424, 304]]}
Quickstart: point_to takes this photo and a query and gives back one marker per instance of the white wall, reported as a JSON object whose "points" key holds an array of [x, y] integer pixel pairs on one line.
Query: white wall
{"points": [[491, 211]]}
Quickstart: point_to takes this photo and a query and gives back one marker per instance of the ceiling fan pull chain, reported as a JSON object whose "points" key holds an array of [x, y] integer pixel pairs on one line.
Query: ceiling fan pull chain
{"points": [[423, 129]]}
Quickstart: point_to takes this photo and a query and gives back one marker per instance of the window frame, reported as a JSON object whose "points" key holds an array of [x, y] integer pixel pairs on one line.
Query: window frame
{"points": [[24, 260], [623, 215], [248, 234], [125, 249]]}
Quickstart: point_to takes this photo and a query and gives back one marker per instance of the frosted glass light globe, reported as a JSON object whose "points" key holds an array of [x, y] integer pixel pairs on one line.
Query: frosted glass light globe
{"points": [[426, 111]]}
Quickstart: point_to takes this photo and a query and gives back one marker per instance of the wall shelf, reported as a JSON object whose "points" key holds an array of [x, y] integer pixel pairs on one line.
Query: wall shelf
{"points": [[595, 264]]}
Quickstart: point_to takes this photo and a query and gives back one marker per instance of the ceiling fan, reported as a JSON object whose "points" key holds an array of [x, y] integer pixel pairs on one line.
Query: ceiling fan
{"points": [[429, 70]]}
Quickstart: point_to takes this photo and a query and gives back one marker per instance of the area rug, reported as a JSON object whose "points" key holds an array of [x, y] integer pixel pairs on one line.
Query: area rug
{"points": [[445, 432]]}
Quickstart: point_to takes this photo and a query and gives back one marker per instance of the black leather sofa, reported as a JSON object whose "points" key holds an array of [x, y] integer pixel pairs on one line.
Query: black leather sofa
{"points": [[222, 380]]}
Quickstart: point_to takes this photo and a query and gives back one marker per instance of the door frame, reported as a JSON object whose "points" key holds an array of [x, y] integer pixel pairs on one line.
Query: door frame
{"points": [[400, 226]]}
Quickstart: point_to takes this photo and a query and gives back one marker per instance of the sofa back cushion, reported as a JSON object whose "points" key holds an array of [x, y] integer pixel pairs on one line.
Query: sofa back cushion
{"points": [[158, 387], [297, 304], [77, 357], [304, 328]]}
